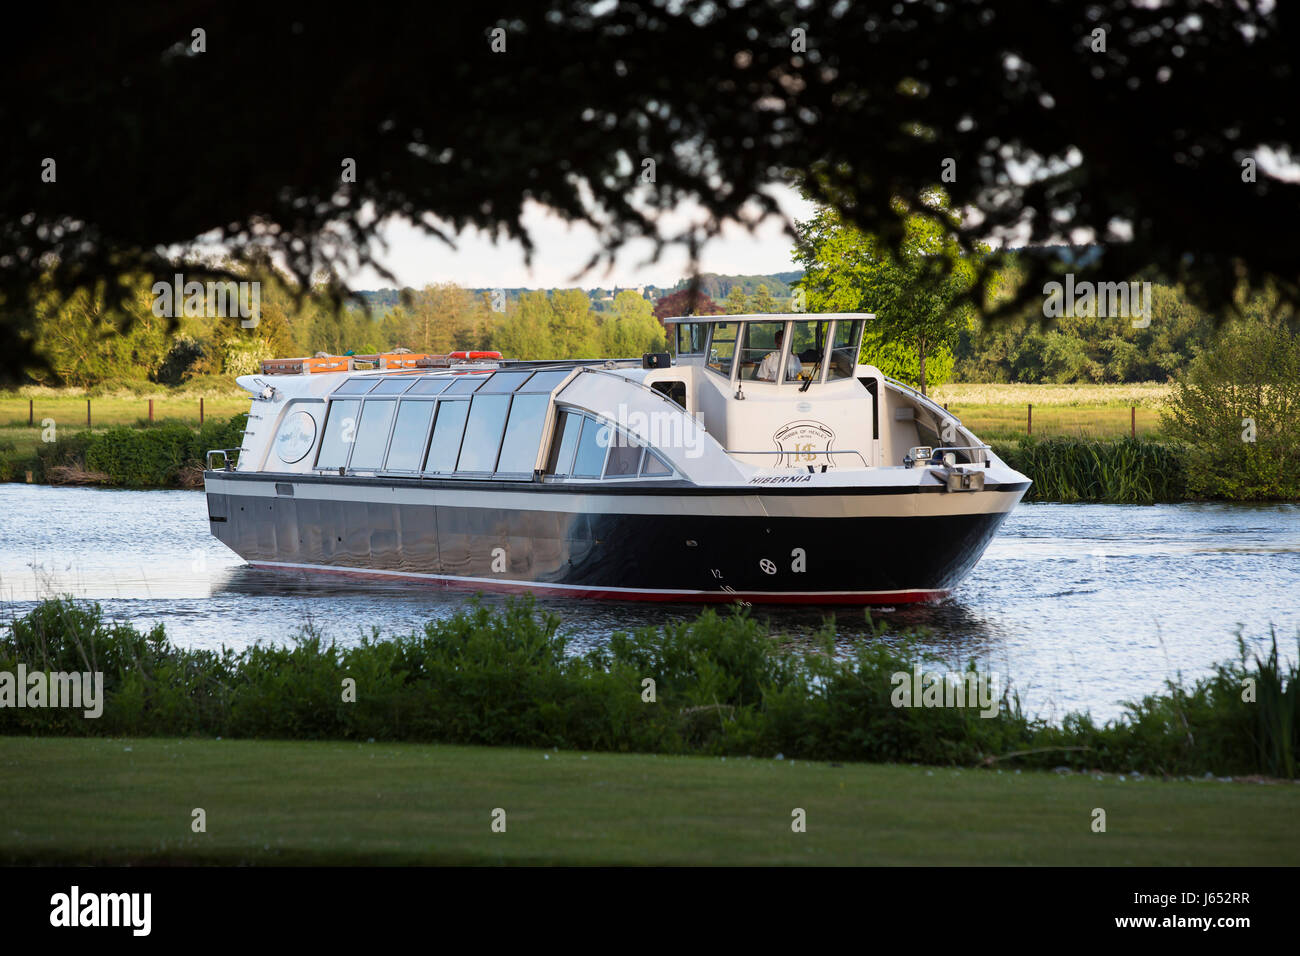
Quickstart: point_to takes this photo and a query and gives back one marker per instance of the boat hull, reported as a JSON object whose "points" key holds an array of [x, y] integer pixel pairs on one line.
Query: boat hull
{"points": [[680, 543]]}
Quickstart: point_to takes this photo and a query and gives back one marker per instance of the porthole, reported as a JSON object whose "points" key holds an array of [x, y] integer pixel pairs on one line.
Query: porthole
{"points": [[296, 437]]}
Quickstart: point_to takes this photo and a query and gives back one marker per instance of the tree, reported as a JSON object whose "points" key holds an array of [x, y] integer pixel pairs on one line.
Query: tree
{"points": [[686, 302], [737, 302], [323, 127], [763, 301], [631, 329], [1237, 408], [917, 295]]}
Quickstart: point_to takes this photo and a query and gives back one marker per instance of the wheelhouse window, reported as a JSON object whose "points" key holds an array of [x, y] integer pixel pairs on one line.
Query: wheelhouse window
{"points": [[340, 432], [372, 435], [406, 451], [722, 347], [844, 350], [765, 356], [808, 344], [690, 338], [448, 428]]}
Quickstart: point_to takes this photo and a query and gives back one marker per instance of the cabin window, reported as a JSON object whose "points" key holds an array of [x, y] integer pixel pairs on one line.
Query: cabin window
{"points": [[356, 386], [546, 381], [447, 432], [487, 418], [674, 391], [372, 435], [844, 350], [340, 430], [765, 354], [808, 344], [407, 447], [432, 386], [523, 434], [466, 384], [505, 381], [652, 466], [393, 385], [589, 461], [566, 440], [722, 348], [690, 338], [624, 457]]}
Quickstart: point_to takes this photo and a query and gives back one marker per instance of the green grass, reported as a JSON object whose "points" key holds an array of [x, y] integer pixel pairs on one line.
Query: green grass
{"points": [[129, 801], [69, 411], [1052, 421]]}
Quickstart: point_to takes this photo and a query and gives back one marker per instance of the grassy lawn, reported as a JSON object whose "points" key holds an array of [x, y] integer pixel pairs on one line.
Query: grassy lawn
{"points": [[1078, 411], [105, 801], [69, 411]]}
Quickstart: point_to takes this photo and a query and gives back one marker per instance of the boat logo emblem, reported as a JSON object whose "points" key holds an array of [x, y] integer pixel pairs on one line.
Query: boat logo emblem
{"points": [[767, 566], [803, 443]]}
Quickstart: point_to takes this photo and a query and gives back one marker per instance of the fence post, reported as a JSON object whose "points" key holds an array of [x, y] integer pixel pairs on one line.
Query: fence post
{"points": [[200, 410], [1133, 421], [87, 413], [151, 411], [31, 414], [1030, 429]]}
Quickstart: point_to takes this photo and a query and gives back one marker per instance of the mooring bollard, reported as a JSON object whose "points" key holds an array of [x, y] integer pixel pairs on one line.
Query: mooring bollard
{"points": [[1029, 430]]}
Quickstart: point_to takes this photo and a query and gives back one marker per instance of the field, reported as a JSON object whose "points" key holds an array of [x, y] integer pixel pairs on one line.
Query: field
{"points": [[67, 408], [130, 801], [1078, 411]]}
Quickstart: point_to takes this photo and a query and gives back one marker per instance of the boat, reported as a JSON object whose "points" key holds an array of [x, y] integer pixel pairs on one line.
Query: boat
{"points": [[760, 461]]}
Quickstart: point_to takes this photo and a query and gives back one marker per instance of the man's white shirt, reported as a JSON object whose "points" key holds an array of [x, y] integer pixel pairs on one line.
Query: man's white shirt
{"points": [[767, 370]]}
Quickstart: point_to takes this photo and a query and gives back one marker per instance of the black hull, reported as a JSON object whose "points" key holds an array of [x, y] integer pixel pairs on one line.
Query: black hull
{"points": [[608, 554]]}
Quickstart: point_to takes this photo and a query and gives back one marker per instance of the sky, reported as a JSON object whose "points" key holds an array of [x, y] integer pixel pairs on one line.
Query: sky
{"points": [[561, 250]]}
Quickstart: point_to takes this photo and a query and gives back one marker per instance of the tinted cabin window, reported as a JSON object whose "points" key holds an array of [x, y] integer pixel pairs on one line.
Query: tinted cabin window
{"points": [[844, 353], [545, 381], [722, 348], [466, 384], [487, 418], [624, 457], [676, 391], [393, 386], [356, 386], [340, 430], [590, 459], [431, 386], [505, 381], [372, 435], [406, 451], [523, 434], [653, 466], [447, 431], [566, 440]]}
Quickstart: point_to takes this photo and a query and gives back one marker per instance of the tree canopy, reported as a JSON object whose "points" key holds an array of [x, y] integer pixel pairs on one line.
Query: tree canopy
{"points": [[295, 132]]}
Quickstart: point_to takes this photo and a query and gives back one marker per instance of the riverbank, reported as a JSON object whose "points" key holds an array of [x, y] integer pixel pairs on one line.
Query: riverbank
{"points": [[715, 684], [360, 803]]}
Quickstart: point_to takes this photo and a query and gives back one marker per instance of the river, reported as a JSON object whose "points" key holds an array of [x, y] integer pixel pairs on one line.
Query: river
{"points": [[1082, 606]]}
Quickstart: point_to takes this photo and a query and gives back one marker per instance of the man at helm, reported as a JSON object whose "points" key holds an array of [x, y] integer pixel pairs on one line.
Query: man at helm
{"points": [[772, 361]]}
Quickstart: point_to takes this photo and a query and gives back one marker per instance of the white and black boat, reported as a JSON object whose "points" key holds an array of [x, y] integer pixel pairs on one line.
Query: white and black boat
{"points": [[764, 464]]}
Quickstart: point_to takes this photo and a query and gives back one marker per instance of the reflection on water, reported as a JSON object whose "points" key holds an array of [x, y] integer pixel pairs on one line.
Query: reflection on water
{"points": [[1081, 605]]}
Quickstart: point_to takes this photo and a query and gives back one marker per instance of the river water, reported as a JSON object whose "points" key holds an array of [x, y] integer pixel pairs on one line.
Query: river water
{"points": [[1081, 606]]}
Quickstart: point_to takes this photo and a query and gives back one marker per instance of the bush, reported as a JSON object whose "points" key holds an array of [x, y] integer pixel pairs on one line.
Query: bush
{"points": [[1237, 408], [723, 684]]}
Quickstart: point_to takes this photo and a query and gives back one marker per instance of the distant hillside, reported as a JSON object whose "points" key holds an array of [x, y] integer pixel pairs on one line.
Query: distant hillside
{"points": [[718, 287]]}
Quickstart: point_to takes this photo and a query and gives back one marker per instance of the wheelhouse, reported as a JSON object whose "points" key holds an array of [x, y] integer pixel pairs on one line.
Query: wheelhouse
{"points": [[776, 350]]}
